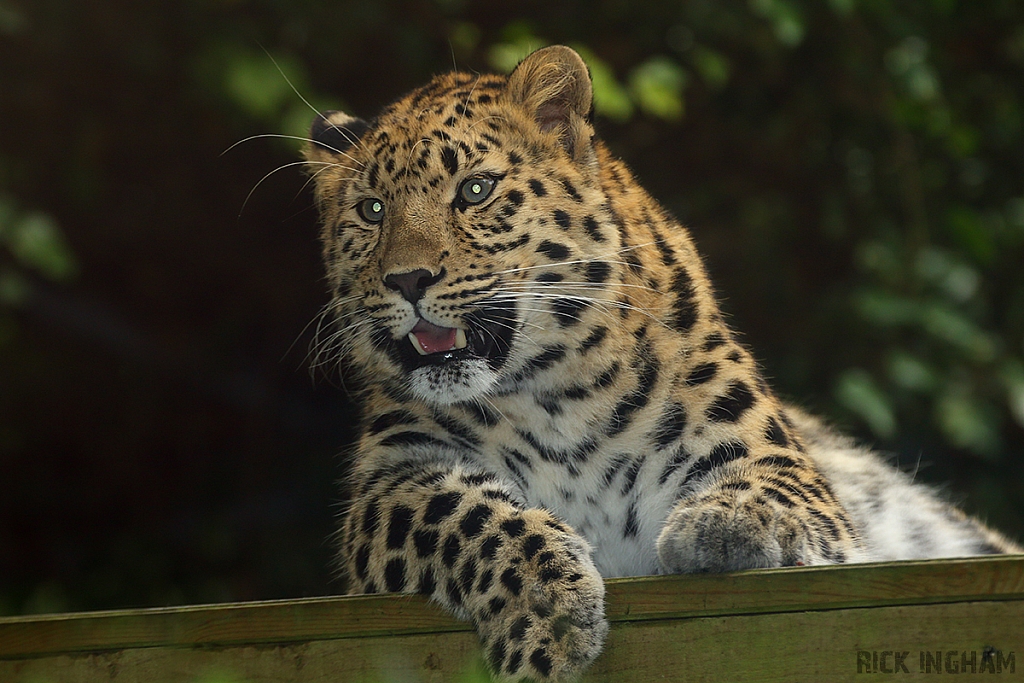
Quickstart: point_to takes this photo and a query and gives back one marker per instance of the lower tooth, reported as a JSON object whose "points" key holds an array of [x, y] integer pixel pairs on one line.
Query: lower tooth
{"points": [[460, 338], [416, 344]]}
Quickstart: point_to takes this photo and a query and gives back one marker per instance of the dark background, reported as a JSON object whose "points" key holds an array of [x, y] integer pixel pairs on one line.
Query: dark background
{"points": [[852, 170]]}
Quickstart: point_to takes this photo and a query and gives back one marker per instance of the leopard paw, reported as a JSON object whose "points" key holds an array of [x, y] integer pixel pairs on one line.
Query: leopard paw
{"points": [[545, 621], [728, 530]]}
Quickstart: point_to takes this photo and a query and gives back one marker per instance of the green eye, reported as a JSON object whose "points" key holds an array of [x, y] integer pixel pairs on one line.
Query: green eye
{"points": [[371, 210], [475, 190]]}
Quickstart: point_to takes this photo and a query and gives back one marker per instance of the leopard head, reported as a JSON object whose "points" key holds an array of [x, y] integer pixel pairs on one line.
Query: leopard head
{"points": [[465, 229]]}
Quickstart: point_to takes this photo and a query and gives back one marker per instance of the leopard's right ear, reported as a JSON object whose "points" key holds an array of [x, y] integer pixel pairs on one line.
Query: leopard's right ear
{"points": [[332, 133], [553, 85]]}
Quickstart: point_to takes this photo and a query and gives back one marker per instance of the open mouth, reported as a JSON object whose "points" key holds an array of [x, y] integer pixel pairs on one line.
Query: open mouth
{"points": [[429, 344], [485, 335], [428, 338]]}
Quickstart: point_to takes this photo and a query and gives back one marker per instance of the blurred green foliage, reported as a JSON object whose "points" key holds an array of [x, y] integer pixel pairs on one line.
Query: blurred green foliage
{"points": [[655, 86], [853, 171], [473, 672], [33, 246], [35, 242], [932, 182]]}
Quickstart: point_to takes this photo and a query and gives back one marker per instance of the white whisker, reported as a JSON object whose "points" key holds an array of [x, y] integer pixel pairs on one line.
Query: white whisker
{"points": [[282, 136], [345, 134], [318, 319], [281, 168], [525, 285]]}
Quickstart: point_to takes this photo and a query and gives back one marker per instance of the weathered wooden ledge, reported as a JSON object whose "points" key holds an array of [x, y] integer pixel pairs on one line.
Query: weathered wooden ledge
{"points": [[802, 624]]}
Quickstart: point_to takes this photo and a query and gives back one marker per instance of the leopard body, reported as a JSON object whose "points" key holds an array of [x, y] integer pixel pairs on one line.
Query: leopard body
{"points": [[550, 393]]}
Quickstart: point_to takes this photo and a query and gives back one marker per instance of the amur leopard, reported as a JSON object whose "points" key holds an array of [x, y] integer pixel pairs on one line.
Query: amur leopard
{"points": [[550, 394]]}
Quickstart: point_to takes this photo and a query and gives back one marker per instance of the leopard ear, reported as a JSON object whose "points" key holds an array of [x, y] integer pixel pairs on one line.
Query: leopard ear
{"points": [[331, 134], [553, 84]]}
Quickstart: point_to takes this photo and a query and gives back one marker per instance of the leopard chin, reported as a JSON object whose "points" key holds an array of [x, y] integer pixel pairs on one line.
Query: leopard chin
{"points": [[452, 381], [446, 366]]}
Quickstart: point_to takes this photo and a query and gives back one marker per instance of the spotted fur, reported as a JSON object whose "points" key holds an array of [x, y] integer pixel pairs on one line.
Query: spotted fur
{"points": [[601, 418]]}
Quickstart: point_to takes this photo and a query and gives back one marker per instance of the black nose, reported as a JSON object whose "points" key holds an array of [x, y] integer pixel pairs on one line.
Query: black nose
{"points": [[413, 284]]}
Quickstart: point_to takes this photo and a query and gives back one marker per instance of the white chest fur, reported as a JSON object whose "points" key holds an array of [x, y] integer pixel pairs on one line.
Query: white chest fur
{"points": [[609, 495]]}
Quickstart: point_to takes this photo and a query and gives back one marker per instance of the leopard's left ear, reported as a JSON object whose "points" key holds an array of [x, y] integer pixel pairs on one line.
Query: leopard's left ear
{"points": [[553, 84], [331, 133]]}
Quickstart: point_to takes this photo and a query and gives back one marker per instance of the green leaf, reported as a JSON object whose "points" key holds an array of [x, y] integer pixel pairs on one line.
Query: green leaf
{"points": [[262, 84], [857, 391], [36, 241], [910, 53], [465, 36], [910, 372], [1015, 212], [518, 40], [968, 421], [884, 308], [942, 269], [1012, 375], [879, 257], [958, 331], [970, 230], [962, 140], [712, 66], [842, 7], [657, 86], [610, 98], [786, 19]]}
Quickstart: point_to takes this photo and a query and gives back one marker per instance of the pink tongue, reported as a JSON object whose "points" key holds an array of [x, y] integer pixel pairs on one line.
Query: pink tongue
{"points": [[434, 339]]}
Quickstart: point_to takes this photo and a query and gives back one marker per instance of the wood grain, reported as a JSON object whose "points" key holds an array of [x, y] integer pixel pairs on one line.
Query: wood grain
{"points": [[804, 624]]}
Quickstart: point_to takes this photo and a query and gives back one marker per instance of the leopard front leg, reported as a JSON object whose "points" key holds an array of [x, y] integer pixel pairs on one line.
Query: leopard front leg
{"points": [[524, 578], [772, 511]]}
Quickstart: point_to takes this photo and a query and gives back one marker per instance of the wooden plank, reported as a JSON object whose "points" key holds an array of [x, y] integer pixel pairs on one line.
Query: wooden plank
{"points": [[223, 625], [813, 588], [796, 647], [833, 587], [775, 625], [790, 647]]}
